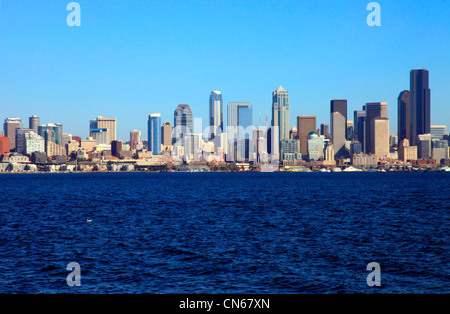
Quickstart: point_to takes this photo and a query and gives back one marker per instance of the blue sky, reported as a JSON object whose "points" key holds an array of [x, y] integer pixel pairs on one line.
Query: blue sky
{"points": [[131, 58]]}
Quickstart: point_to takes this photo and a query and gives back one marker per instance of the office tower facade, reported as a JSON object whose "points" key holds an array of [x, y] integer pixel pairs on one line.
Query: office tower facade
{"points": [[290, 150], [420, 104], [316, 146], [380, 137], [154, 133], [117, 148], [338, 126], [4, 145], [403, 115], [406, 152], [135, 139], [439, 150], [373, 111], [183, 121], [33, 123], [34, 143], [51, 132], [215, 113], [438, 131], [9, 129], [240, 120], [325, 129], [359, 124], [350, 130], [280, 113], [305, 125], [424, 146], [103, 123], [20, 140], [166, 134]]}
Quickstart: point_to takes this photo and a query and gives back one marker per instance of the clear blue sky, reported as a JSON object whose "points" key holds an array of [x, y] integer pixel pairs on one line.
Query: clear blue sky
{"points": [[130, 58]]}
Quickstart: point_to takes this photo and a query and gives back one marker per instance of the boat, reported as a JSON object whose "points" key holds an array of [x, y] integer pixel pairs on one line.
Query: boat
{"points": [[337, 169], [351, 169]]}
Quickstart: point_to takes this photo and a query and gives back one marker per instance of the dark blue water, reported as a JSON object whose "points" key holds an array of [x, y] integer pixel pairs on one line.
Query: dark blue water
{"points": [[225, 232]]}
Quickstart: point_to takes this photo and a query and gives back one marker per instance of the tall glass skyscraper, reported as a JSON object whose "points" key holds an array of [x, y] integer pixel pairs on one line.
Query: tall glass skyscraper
{"points": [[183, 121], [239, 115], [403, 117], [154, 133], [280, 112], [215, 113], [420, 120]]}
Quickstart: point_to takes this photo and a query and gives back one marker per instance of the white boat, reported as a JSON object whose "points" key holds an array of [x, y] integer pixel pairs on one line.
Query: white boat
{"points": [[337, 169], [351, 169]]}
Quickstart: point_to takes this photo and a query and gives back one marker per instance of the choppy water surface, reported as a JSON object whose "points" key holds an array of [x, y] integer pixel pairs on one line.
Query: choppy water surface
{"points": [[225, 232]]}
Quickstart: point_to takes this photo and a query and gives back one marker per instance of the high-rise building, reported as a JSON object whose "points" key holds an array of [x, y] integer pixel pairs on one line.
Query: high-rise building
{"points": [[338, 126], [380, 137], [166, 134], [154, 133], [33, 122], [215, 113], [240, 118], [438, 131], [420, 104], [183, 122], [290, 150], [424, 146], [102, 123], [325, 129], [4, 145], [20, 140], [54, 136], [359, 121], [305, 125], [117, 148], [373, 110], [403, 115], [280, 113], [135, 139], [406, 152], [316, 146], [34, 143], [9, 127]]}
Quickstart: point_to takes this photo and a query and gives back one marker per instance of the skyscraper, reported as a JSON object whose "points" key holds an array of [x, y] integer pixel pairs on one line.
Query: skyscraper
{"points": [[403, 116], [380, 137], [154, 133], [215, 113], [420, 120], [135, 139], [105, 123], [359, 120], [240, 117], [373, 110], [183, 121], [166, 134], [239, 130], [325, 129], [9, 127], [33, 122], [280, 113], [338, 126], [305, 125]]}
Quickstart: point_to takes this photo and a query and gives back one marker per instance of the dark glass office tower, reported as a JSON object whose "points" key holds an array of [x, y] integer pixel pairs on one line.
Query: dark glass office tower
{"points": [[359, 120], [419, 104], [403, 116]]}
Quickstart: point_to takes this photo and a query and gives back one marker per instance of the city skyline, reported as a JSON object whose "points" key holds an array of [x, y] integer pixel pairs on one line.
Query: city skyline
{"points": [[124, 69]]}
